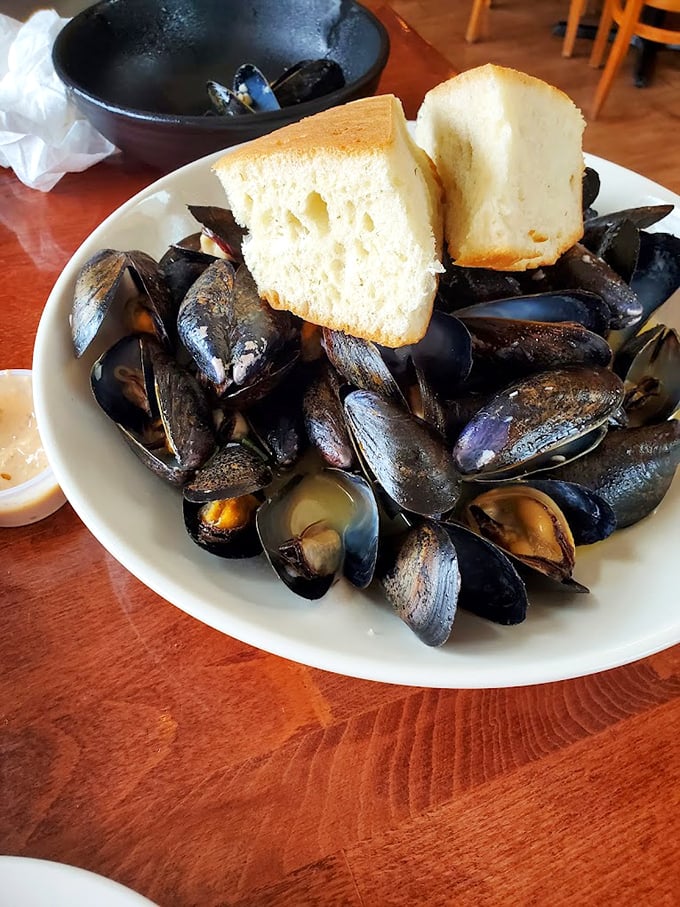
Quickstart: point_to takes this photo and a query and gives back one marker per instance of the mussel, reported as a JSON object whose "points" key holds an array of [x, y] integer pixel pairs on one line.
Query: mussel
{"points": [[251, 92], [538, 422], [318, 526], [533, 417]]}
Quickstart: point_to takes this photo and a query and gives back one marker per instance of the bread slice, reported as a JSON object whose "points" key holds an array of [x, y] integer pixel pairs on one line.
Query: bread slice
{"points": [[508, 150], [344, 220]]}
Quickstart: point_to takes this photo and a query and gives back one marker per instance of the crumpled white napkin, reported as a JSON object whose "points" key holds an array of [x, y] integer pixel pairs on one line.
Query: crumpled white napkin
{"points": [[42, 133]]}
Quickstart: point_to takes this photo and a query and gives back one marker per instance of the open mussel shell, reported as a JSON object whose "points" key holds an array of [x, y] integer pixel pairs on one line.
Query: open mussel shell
{"points": [[538, 421], [421, 579], [101, 282], [632, 469], [122, 383], [527, 525], [617, 244], [225, 527], [319, 526], [221, 501], [252, 87], [157, 406], [650, 367], [590, 518], [220, 227], [490, 585], [226, 102], [307, 80], [184, 411], [408, 459], [237, 469]]}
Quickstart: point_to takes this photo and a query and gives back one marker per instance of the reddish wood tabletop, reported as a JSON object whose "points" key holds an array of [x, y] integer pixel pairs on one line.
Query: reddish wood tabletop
{"points": [[140, 744]]}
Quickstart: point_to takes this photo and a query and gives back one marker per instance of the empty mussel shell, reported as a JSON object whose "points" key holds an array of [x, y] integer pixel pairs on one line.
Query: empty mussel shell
{"points": [[650, 366], [101, 281], [443, 357]]}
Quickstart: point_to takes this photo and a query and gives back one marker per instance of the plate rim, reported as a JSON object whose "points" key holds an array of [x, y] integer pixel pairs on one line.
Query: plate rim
{"points": [[61, 876], [460, 676]]}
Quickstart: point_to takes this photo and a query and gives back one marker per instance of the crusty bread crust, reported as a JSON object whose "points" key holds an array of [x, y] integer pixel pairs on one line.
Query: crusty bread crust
{"points": [[345, 130], [466, 246], [384, 338], [510, 259], [355, 134]]}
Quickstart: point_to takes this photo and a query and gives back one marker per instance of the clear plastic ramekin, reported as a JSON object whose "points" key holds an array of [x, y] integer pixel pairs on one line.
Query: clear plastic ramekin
{"points": [[40, 495]]}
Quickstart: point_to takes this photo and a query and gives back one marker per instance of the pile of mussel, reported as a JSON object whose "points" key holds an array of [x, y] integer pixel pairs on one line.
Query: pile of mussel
{"points": [[534, 416], [251, 91]]}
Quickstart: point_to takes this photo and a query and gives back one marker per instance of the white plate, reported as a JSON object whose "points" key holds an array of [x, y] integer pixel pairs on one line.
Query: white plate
{"points": [[25, 882], [632, 611]]}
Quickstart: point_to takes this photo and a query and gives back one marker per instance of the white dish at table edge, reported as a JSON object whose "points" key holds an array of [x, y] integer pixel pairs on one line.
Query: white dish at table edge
{"points": [[632, 611], [29, 882]]}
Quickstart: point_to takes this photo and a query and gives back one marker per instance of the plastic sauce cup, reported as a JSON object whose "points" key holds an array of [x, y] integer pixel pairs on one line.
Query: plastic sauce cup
{"points": [[37, 495]]}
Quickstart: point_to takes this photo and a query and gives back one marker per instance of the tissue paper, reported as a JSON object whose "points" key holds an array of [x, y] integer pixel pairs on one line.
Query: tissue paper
{"points": [[42, 134]]}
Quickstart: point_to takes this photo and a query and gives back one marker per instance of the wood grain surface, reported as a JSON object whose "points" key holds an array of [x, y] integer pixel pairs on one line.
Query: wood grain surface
{"points": [[140, 744]]}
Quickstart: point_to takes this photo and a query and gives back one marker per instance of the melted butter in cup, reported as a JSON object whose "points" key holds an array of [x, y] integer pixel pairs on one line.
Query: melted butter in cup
{"points": [[28, 489]]}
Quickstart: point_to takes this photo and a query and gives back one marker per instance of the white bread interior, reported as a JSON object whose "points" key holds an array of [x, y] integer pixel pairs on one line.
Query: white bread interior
{"points": [[344, 220], [508, 149]]}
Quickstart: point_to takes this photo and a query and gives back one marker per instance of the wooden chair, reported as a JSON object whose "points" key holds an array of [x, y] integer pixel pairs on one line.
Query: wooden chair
{"points": [[627, 16], [576, 10], [478, 23]]}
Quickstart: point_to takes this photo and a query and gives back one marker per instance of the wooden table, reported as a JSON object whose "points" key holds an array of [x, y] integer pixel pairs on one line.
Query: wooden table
{"points": [[145, 746]]}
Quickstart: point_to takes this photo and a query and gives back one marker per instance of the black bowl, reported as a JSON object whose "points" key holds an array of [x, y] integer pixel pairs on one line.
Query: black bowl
{"points": [[137, 69]]}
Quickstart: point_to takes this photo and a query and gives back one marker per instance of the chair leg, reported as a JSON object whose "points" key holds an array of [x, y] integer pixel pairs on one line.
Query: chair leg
{"points": [[477, 22], [576, 9], [602, 36], [618, 52]]}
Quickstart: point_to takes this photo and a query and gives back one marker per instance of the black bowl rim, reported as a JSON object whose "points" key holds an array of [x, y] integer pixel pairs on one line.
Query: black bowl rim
{"points": [[226, 124]]}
